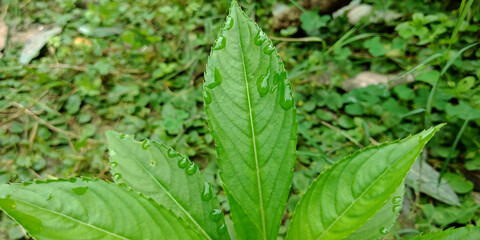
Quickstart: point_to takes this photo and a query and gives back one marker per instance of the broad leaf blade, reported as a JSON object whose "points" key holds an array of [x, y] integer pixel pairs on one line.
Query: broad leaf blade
{"points": [[250, 111], [381, 223], [451, 234], [159, 172], [87, 209], [343, 198]]}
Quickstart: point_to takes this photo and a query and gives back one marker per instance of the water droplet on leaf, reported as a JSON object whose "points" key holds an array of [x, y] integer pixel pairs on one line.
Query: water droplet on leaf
{"points": [[286, 98], [191, 169], [112, 153], [396, 208], [222, 228], [207, 193], [269, 49], [383, 230], [113, 164], [153, 163], [397, 200], [220, 43], [171, 153], [216, 215], [117, 176], [50, 196], [27, 183], [207, 97], [122, 136], [80, 190], [217, 79], [146, 144], [228, 23], [182, 163], [262, 84], [259, 38]]}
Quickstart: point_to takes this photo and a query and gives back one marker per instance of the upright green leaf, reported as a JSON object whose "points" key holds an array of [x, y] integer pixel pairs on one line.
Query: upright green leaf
{"points": [[343, 198], [89, 209], [249, 105], [170, 179], [451, 234]]}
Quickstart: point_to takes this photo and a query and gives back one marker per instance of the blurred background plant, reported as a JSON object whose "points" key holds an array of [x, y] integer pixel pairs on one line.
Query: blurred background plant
{"points": [[364, 72]]}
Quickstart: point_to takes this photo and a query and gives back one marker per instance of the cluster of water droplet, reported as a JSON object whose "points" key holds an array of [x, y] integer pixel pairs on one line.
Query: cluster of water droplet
{"points": [[397, 204], [286, 98]]}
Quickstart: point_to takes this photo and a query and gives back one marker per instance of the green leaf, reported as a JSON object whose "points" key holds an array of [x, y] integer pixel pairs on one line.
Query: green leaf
{"points": [[383, 220], [89, 209], [451, 234], [73, 104], [311, 21], [170, 179], [458, 183], [375, 47], [249, 105], [343, 198]]}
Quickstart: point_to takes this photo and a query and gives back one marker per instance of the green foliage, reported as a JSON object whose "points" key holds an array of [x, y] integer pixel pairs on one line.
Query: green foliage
{"points": [[89, 209], [141, 71], [249, 104], [347, 195]]}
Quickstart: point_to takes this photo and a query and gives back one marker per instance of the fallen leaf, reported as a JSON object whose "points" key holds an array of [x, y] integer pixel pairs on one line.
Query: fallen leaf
{"points": [[35, 42], [3, 34]]}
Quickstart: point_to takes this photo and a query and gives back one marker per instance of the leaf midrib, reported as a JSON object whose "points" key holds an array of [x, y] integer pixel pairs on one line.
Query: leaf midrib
{"points": [[174, 200], [262, 211], [73, 219], [359, 197]]}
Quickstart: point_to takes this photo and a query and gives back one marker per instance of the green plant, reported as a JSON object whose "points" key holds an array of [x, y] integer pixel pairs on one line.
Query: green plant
{"points": [[159, 194]]}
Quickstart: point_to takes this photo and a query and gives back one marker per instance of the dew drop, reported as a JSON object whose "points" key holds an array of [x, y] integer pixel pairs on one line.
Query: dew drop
{"points": [[122, 136], [50, 196], [113, 164], [262, 84], [27, 183], [396, 208], [182, 163], [216, 215], [259, 38], [269, 49], [217, 79], [153, 163], [222, 228], [171, 153], [72, 180], [112, 153], [397, 200], [191, 169], [80, 190], [228, 23], [220, 43], [286, 98], [383, 230], [207, 97], [207, 193], [117, 176], [146, 144]]}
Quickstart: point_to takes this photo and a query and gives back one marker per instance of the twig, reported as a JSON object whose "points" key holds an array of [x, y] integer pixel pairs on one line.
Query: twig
{"points": [[50, 126], [303, 39], [342, 132]]}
